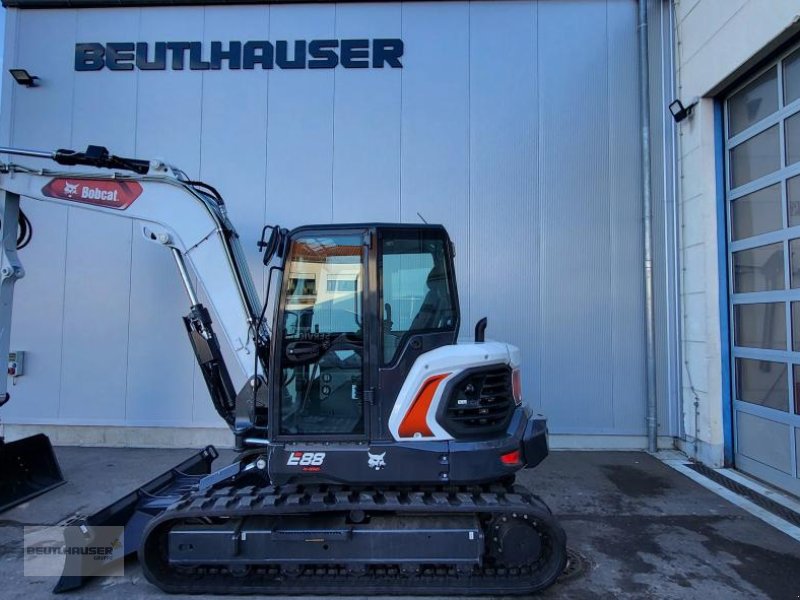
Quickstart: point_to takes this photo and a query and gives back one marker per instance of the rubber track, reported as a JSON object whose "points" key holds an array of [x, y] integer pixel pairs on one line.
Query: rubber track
{"points": [[486, 501]]}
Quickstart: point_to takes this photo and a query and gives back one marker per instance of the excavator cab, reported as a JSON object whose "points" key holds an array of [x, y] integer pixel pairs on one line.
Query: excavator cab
{"points": [[358, 305]]}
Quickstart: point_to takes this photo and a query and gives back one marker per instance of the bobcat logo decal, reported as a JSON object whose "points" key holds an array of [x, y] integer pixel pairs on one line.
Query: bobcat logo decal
{"points": [[70, 189], [375, 461]]}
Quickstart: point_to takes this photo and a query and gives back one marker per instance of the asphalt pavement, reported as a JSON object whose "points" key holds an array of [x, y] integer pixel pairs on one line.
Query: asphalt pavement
{"points": [[637, 528]]}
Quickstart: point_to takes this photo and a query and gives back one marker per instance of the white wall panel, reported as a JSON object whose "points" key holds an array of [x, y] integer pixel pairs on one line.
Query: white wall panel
{"points": [[43, 114], [575, 283], [300, 125], [42, 118], [234, 149], [504, 203], [625, 212], [435, 127], [168, 124], [37, 320], [98, 265], [10, 31], [96, 296], [366, 121]]}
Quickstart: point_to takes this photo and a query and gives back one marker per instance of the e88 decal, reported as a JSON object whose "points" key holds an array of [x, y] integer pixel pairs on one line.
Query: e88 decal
{"points": [[305, 459]]}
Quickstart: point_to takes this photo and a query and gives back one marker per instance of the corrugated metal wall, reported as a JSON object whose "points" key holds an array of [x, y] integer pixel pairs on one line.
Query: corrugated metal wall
{"points": [[513, 123]]}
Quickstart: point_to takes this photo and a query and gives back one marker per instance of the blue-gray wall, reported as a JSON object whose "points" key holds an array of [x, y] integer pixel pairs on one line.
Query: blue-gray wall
{"points": [[513, 123]]}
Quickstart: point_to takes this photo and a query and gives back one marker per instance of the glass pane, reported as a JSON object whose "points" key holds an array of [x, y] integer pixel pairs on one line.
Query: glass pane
{"points": [[791, 77], [758, 156], [794, 264], [796, 369], [762, 382], [416, 292], [322, 340], [758, 269], [792, 134], [756, 213], [797, 443], [793, 197], [796, 327], [760, 325], [755, 101]]}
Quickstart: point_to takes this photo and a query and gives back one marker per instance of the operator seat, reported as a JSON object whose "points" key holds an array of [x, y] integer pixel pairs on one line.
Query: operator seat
{"points": [[435, 311]]}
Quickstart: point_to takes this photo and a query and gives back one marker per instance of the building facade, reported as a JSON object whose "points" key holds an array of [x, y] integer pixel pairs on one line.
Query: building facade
{"points": [[517, 124]]}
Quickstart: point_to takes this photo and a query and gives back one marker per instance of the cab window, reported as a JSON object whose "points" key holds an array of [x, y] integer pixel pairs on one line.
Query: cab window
{"points": [[416, 287]]}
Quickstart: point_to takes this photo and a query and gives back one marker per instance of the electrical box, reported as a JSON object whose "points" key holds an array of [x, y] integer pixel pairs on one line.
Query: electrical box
{"points": [[16, 362]]}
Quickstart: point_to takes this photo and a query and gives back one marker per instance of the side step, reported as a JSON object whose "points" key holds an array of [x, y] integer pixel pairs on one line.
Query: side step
{"points": [[28, 467], [133, 511]]}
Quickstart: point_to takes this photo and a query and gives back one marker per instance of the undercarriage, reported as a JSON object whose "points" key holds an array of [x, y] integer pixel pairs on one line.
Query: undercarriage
{"points": [[327, 539]]}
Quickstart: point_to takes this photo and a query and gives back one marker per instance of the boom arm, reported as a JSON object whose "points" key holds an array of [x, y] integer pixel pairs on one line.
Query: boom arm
{"points": [[173, 213]]}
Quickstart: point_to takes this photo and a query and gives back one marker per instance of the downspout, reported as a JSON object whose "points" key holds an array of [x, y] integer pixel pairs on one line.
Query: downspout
{"points": [[647, 211]]}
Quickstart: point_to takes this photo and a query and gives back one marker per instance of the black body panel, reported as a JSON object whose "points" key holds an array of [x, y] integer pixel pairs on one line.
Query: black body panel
{"points": [[457, 462]]}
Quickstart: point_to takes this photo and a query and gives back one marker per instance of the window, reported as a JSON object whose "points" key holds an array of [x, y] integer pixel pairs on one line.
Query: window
{"points": [[342, 284], [762, 382], [757, 213], [756, 157], [301, 286], [760, 325], [758, 269], [323, 342], [758, 99], [416, 288]]}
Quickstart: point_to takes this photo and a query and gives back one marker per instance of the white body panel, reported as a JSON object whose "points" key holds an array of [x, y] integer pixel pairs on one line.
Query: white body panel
{"points": [[454, 359]]}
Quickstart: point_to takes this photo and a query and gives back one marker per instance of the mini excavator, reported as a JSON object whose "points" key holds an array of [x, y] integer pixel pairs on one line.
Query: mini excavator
{"points": [[376, 454]]}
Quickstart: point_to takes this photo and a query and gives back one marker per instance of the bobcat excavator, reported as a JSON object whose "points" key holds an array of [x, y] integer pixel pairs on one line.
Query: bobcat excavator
{"points": [[376, 454]]}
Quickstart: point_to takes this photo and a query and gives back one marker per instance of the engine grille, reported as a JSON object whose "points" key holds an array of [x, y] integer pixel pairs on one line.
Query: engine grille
{"points": [[480, 403]]}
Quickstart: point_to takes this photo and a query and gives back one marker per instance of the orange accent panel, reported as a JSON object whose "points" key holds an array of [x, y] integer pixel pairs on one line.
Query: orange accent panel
{"points": [[415, 420]]}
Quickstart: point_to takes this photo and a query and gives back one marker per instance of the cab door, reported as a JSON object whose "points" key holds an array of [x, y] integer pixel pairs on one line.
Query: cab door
{"points": [[320, 359], [418, 303]]}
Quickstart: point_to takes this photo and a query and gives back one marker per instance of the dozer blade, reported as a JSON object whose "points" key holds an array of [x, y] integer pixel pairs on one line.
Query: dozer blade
{"points": [[133, 512], [28, 467]]}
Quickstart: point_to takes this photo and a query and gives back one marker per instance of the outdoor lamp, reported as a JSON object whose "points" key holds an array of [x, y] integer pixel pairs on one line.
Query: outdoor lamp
{"points": [[22, 77], [679, 111]]}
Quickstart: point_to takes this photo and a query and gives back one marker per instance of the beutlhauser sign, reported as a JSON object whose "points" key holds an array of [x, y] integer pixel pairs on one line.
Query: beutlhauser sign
{"points": [[254, 54]]}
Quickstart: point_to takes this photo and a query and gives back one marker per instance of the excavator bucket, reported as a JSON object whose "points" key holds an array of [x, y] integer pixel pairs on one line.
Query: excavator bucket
{"points": [[133, 512], [28, 467]]}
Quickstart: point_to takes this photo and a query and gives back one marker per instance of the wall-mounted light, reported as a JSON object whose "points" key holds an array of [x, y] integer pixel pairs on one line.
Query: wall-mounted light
{"points": [[679, 111], [22, 77]]}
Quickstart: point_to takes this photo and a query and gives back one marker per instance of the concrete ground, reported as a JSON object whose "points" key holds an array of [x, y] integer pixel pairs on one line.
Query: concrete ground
{"points": [[645, 530]]}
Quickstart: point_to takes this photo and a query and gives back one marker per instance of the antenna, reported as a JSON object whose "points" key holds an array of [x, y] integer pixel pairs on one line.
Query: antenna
{"points": [[421, 217]]}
